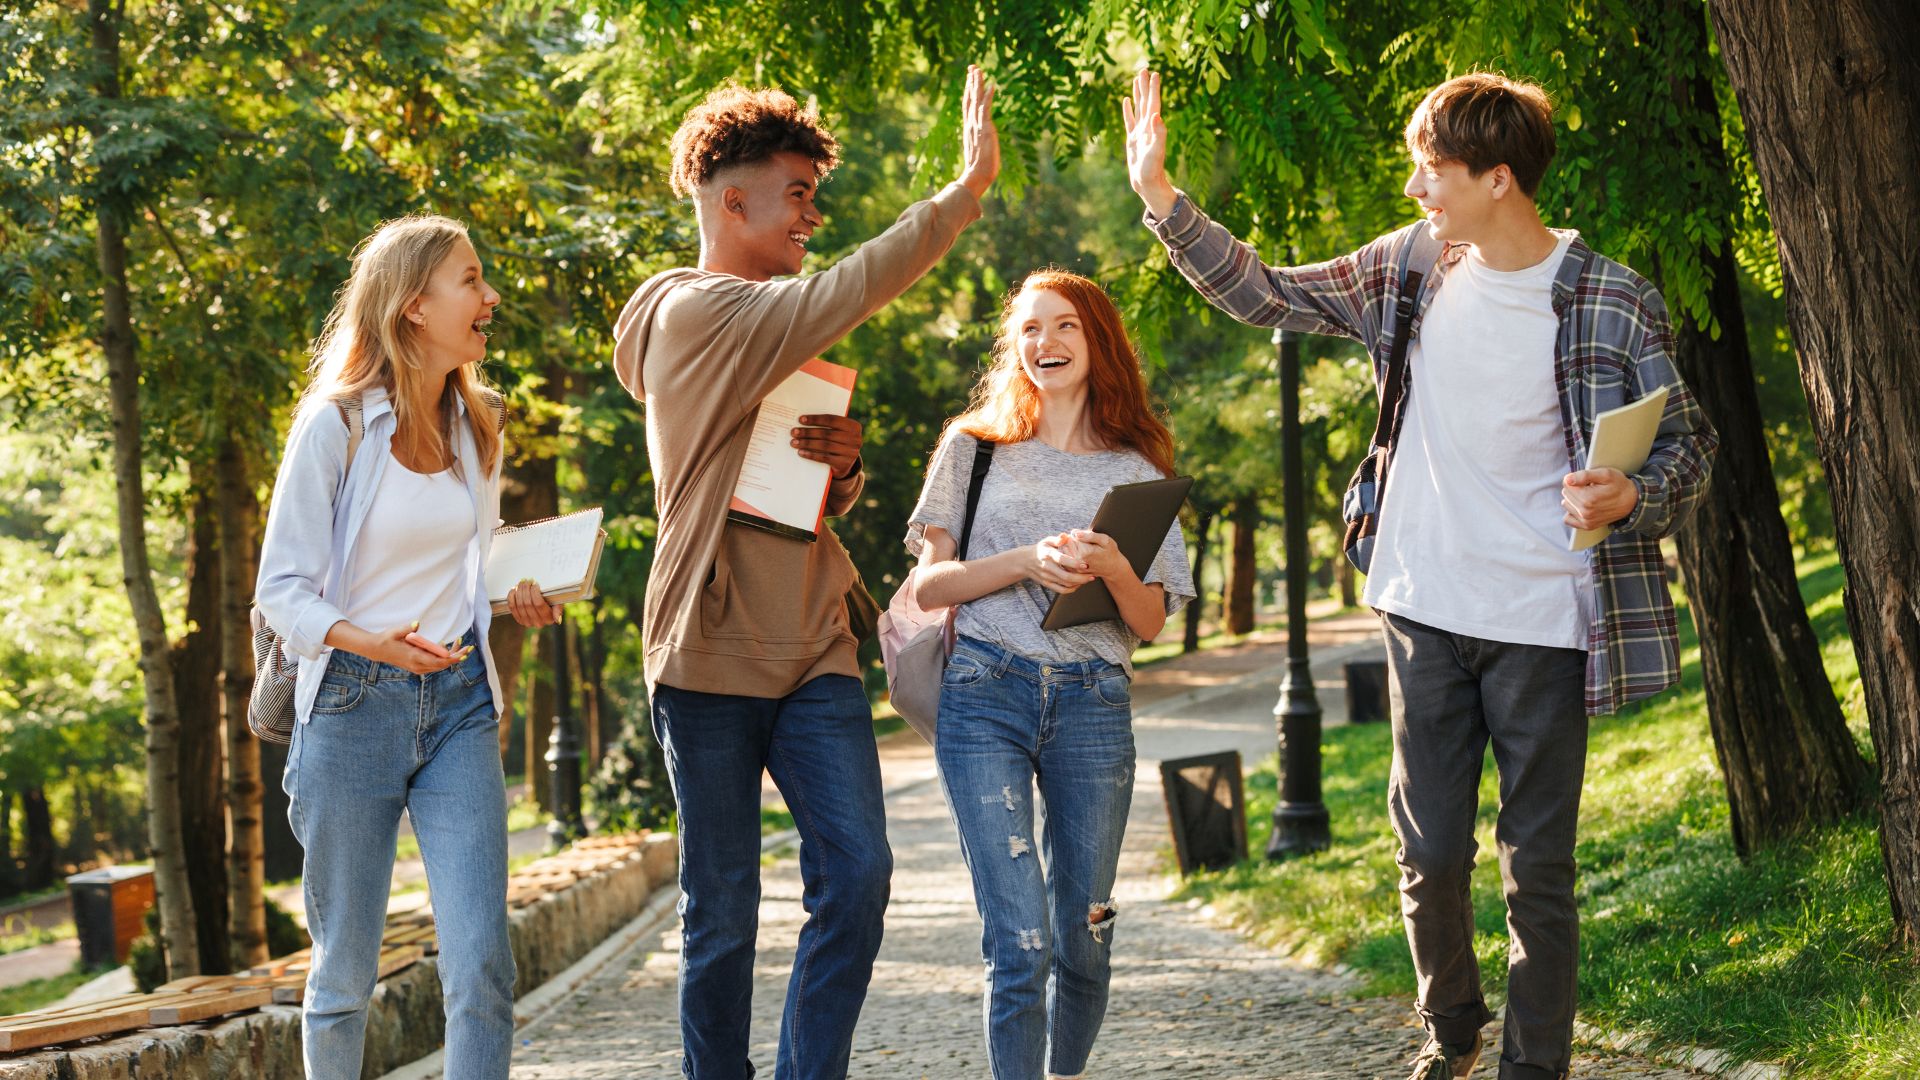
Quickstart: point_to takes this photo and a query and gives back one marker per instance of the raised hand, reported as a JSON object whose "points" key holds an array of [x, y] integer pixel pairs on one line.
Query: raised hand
{"points": [[1147, 145], [979, 139]]}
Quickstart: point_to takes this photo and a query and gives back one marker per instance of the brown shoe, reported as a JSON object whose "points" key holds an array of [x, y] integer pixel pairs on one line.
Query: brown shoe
{"points": [[1436, 1062]]}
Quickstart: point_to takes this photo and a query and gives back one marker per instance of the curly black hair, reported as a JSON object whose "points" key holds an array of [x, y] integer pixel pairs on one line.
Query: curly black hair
{"points": [[737, 125]]}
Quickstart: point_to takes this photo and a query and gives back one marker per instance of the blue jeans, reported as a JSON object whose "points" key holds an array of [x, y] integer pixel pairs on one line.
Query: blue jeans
{"points": [[817, 743], [382, 740], [1005, 722]]}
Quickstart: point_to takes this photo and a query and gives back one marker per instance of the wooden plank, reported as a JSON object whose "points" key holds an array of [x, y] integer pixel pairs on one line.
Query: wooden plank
{"points": [[88, 1008], [192, 982], [49, 1030], [392, 960], [17, 1037], [208, 1006]]}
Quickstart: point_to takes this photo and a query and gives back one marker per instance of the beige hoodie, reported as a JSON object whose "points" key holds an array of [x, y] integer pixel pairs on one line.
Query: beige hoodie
{"points": [[733, 609]]}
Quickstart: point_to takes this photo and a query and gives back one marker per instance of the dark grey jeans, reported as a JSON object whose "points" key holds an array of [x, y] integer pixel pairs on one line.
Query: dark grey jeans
{"points": [[1452, 695]]}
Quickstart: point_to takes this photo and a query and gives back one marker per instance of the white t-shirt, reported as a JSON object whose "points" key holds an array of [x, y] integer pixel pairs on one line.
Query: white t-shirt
{"points": [[415, 557], [1472, 538]]}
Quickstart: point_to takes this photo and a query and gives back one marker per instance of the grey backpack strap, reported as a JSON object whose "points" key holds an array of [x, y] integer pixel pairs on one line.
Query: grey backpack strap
{"points": [[356, 425]]}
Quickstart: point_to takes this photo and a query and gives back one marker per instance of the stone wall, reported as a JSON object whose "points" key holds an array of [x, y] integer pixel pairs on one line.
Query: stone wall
{"points": [[404, 1021]]}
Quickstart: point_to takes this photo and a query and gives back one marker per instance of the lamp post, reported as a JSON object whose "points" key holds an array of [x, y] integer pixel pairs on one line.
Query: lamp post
{"points": [[1300, 817], [563, 747]]}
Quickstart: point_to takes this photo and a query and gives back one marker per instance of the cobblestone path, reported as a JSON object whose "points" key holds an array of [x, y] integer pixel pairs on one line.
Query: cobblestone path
{"points": [[1190, 999]]}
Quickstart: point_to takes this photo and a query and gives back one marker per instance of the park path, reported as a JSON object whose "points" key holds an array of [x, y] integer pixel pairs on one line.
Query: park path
{"points": [[1190, 998]]}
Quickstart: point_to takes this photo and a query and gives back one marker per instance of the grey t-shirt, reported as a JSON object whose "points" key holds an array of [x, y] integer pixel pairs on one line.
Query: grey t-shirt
{"points": [[1032, 491]]}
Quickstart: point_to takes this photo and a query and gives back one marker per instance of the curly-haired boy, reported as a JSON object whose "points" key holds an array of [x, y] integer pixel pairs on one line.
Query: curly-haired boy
{"points": [[749, 658]]}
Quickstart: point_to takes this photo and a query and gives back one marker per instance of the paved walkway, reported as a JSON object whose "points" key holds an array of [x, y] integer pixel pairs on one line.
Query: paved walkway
{"points": [[1189, 998]]}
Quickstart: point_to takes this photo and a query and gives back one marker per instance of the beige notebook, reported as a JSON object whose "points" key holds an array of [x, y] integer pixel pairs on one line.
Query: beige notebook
{"points": [[1622, 439], [561, 553]]}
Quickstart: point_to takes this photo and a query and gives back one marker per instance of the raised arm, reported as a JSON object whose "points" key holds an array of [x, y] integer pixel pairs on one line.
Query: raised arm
{"points": [[1324, 298], [796, 319]]}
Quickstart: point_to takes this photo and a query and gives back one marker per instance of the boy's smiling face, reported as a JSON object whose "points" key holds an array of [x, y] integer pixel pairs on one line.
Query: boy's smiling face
{"points": [[766, 215], [1459, 205]]}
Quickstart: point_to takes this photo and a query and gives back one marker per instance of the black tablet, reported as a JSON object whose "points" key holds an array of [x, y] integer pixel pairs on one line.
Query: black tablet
{"points": [[1137, 516]]}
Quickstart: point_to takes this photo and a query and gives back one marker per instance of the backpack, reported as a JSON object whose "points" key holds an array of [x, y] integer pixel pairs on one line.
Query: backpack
{"points": [[1360, 506], [915, 642]]}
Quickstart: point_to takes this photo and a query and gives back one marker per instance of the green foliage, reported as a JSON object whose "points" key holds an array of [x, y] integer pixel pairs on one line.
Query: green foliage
{"points": [[630, 791], [1782, 958]]}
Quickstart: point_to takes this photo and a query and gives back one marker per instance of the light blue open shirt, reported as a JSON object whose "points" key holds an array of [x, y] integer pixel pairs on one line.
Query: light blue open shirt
{"points": [[306, 556]]}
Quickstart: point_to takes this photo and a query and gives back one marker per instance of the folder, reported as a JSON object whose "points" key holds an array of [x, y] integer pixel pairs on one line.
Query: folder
{"points": [[1622, 439]]}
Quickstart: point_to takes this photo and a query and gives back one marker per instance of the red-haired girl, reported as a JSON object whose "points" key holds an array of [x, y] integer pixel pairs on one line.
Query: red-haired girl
{"points": [[1067, 412]]}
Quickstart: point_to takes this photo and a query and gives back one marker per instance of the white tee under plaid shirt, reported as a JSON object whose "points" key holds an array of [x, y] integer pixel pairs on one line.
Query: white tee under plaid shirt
{"points": [[1613, 347]]}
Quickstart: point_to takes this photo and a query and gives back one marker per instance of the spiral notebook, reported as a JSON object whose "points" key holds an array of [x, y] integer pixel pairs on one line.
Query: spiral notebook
{"points": [[561, 553]]}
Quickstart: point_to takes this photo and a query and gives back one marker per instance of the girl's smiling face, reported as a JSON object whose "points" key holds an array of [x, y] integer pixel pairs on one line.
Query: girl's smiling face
{"points": [[453, 314], [1050, 341]]}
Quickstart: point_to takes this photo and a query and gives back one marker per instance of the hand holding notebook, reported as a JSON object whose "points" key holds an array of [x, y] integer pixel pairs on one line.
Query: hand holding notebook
{"points": [[560, 554]]}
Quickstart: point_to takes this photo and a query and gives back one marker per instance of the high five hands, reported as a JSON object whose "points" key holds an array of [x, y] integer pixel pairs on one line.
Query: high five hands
{"points": [[979, 139], [1147, 145]]}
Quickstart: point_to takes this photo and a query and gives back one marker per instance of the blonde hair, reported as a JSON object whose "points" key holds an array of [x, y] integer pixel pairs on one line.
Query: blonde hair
{"points": [[367, 341]]}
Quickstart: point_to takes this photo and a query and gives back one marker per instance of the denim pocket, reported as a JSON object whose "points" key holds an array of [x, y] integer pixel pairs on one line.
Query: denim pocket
{"points": [[339, 692], [472, 670], [962, 670], [1114, 691]]}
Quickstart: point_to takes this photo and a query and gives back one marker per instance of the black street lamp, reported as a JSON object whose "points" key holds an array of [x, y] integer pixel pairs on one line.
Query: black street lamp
{"points": [[1300, 817], [563, 747]]}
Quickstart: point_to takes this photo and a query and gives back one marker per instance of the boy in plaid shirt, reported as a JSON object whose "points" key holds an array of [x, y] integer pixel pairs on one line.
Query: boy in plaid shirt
{"points": [[1496, 632]]}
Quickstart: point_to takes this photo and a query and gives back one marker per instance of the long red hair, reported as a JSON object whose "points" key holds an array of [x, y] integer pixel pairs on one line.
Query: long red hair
{"points": [[1006, 405]]}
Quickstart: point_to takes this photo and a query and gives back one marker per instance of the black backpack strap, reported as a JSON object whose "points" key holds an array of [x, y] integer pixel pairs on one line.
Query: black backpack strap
{"points": [[982, 459], [1417, 263]]}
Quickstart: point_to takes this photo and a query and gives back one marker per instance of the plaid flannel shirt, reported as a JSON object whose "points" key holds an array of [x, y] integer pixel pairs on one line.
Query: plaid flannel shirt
{"points": [[1613, 347]]}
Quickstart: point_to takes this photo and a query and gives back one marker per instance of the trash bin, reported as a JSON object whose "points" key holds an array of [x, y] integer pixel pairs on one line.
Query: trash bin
{"points": [[1367, 700], [1206, 808], [109, 911]]}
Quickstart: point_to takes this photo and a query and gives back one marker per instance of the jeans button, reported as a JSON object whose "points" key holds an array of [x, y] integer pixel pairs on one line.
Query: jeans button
{"points": [[1046, 671]]}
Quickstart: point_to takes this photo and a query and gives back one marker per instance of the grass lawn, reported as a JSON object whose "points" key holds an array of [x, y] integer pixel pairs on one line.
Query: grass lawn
{"points": [[39, 993], [1783, 958]]}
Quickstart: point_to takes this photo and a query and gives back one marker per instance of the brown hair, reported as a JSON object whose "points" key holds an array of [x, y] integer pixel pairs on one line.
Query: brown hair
{"points": [[1486, 119], [736, 125], [1006, 405]]}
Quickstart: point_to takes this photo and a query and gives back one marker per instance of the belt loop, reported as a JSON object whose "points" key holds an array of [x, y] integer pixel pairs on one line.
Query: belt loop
{"points": [[1002, 660]]}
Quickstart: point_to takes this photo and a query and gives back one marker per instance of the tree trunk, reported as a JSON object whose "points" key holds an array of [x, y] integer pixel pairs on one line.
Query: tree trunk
{"points": [[178, 937], [528, 492], [38, 841], [1343, 580], [196, 680], [1830, 96], [540, 705], [583, 698], [9, 873], [239, 511], [1782, 741], [600, 712], [1202, 539], [1240, 577]]}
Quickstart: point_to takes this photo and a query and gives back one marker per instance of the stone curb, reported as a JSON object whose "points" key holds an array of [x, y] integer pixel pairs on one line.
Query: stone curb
{"points": [[406, 1016], [531, 1009], [1712, 1062]]}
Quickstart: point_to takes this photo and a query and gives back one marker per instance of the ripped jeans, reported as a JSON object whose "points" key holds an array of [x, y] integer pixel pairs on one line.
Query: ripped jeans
{"points": [[1006, 722]]}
